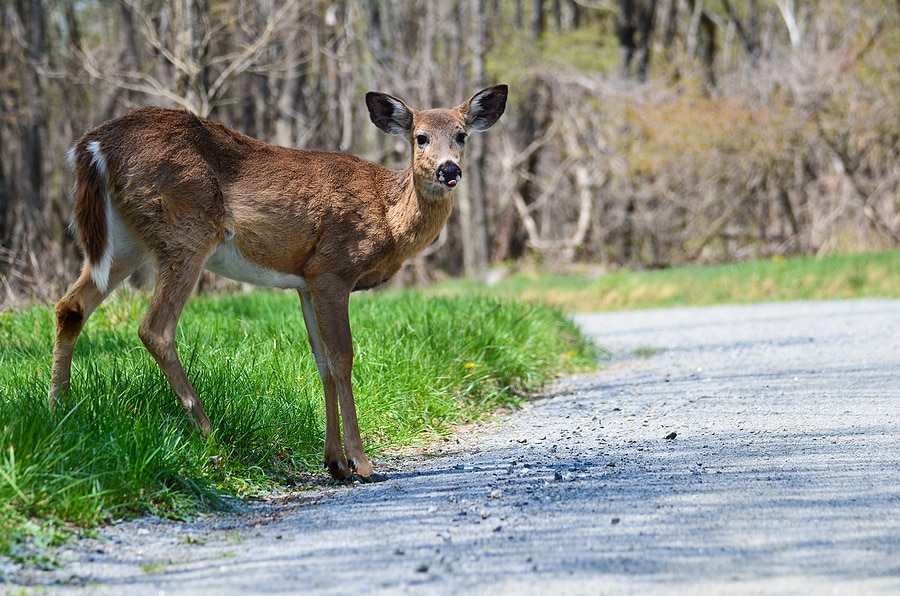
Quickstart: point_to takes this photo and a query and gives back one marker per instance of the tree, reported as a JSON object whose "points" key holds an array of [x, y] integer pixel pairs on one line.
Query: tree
{"points": [[638, 132], [182, 34], [634, 26]]}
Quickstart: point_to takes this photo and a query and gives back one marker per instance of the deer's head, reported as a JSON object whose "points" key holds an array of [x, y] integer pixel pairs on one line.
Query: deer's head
{"points": [[437, 137]]}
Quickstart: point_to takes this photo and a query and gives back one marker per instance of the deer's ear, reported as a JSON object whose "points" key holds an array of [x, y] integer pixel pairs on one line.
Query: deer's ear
{"points": [[389, 113], [485, 107]]}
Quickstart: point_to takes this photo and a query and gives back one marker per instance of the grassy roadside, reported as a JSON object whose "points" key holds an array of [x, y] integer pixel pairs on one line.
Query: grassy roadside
{"points": [[121, 445], [837, 276], [424, 361]]}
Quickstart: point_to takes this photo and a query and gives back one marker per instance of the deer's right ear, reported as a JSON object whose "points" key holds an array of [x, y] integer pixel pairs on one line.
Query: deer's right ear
{"points": [[389, 113]]}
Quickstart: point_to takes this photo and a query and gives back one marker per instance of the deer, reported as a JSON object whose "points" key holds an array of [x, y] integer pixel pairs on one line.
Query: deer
{"points": [[188, 194]]}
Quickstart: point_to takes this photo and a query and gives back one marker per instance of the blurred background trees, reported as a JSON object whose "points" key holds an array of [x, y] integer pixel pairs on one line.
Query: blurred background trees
{"points": [[640, 133]]}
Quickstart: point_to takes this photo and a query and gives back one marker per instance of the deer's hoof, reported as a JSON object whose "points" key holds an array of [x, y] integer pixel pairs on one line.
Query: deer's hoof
{"points": [[373, 477], [338, 470]]}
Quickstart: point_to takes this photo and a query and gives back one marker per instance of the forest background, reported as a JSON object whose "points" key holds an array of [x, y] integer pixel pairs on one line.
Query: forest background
{"points": [[640, 133]]}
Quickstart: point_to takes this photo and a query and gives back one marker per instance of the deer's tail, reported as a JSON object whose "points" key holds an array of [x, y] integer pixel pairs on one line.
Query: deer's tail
{"points": [[93, 208]]}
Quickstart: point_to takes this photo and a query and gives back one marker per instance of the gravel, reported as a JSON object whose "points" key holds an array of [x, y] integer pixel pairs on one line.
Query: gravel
{"points": [[734, 449]]}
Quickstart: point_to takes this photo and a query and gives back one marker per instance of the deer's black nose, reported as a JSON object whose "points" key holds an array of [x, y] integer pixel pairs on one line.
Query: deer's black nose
{"points": [[448, 173]]}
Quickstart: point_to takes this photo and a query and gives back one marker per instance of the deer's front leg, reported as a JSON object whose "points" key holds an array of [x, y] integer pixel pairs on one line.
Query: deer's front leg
{"points": [[330, 302], [335, 460]]}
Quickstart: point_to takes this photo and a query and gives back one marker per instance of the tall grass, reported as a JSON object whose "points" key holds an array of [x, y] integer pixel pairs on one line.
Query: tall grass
{"points": [[120, 445]]}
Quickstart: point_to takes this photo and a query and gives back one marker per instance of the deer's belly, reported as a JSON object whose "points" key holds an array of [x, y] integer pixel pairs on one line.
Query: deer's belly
{"points": [[228, 260]]}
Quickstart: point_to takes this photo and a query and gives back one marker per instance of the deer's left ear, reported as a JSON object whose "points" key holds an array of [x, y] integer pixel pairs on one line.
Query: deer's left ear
{"points": [[485, 107], [389, 113]]}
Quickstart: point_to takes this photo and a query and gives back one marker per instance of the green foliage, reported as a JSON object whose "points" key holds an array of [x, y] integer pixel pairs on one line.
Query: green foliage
{"points": [[516, 55], [791, 151], [120, 445], [831, 277]]}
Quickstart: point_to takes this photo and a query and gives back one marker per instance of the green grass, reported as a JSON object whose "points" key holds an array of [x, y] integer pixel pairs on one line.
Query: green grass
{"points": [[121, 445], [425, 361], [832, 277]]}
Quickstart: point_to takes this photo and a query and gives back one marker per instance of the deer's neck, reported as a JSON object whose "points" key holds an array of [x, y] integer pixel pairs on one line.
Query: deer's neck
{"points": [[415, 219]]}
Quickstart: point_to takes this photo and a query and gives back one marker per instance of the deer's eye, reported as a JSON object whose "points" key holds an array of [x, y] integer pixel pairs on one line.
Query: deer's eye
{"points": [[421, 140], [461, 138]]}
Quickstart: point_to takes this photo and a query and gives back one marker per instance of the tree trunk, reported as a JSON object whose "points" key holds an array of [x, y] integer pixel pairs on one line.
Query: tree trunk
{"points": [[475, 240], [634, 25]]}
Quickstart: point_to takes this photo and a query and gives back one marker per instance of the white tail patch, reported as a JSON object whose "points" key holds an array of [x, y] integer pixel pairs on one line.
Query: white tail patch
{"points": [[98, 160], [114, 226], [70, 158]]}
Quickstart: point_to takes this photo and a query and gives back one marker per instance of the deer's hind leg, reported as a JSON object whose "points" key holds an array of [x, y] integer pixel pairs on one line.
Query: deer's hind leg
{"points": [[73, 311], [175, 282], [180, 220], [181, 249]]}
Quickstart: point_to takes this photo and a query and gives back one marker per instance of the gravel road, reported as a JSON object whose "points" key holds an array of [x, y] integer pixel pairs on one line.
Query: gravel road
{"points": [[737, 449]]}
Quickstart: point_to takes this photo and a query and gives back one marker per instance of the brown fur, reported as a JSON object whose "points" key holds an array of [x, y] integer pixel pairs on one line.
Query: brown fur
{"points": [[181, 185], [89, 214]]}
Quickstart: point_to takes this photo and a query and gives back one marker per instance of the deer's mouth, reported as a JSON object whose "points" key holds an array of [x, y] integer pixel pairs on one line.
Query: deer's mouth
{"points": [[435, 190]]}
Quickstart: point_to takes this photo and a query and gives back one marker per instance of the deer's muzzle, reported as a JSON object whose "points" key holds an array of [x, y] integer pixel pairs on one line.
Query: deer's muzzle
{"points": [[449, 173]]}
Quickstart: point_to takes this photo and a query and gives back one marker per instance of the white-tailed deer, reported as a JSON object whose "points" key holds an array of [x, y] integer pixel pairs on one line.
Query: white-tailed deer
{"points": [[192, 194]]}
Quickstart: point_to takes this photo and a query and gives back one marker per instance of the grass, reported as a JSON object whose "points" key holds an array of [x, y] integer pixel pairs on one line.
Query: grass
{"points": [[121, 446], [832, 277], [425, 361]]}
